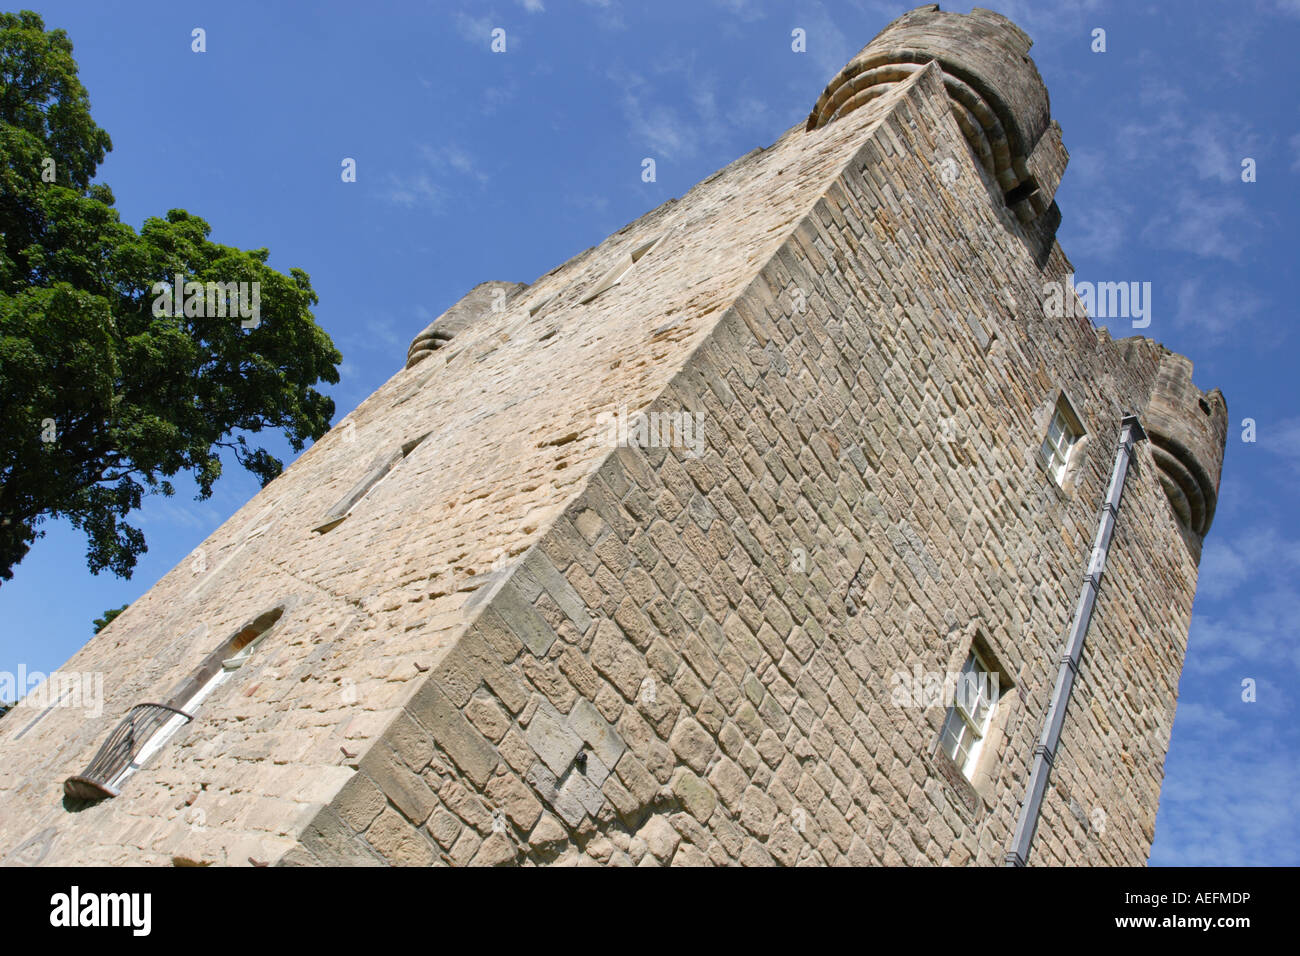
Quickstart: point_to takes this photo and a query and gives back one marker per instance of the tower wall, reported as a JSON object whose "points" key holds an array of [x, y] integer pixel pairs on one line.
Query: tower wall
{"points": [[523, 645], [461, 317], [509, 412], [996, 95], [719, 635], [1188, 429]]}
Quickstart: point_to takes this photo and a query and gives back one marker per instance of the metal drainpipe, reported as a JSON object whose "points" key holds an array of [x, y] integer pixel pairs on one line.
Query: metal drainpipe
{"points": [[1130, 431]]}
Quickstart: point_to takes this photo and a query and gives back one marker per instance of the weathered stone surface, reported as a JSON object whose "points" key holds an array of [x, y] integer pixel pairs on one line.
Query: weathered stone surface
{"points": [[515, 799], [604, 740], [660, 838], [407, 790], [692, 743], [454, 733], [715, 617], [553, 739], [695, 795], [496, 850], [524, 620], [563, 800], [359, 802], [333, 843], [399, 843]]}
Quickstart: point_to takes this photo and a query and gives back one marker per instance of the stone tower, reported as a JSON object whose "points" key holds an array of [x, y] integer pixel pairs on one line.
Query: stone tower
{"points": [[674, 555]]}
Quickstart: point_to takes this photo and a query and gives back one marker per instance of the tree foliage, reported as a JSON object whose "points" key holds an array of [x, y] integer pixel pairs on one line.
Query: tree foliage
{"points": [[101, 399], [112, 612]]}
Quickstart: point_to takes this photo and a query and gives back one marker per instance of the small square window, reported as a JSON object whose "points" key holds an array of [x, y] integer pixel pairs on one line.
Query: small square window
{"points": [[1063, 435]]}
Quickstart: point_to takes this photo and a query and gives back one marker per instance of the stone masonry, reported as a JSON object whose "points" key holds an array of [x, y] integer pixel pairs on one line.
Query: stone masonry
{"points": [[527, 643]]}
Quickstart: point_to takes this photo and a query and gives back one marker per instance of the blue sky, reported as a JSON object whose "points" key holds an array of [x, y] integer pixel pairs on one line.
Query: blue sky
{"points": [[473, 166]]}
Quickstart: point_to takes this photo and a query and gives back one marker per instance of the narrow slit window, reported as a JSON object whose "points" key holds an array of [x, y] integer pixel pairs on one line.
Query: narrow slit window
{"points": [[377, 472], [533, 310], [620, 270], [147, 727]]}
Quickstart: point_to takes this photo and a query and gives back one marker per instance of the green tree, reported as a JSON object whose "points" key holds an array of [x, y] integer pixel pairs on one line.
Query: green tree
{"points": [[105, 395], [112, 612]]}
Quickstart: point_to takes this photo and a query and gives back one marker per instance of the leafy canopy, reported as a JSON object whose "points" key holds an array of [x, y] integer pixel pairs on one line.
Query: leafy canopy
{"points": [[101, 400]]}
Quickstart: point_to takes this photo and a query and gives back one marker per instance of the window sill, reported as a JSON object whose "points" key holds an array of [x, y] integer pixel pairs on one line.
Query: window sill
{"points": [[961, 792], [1063, 492]]}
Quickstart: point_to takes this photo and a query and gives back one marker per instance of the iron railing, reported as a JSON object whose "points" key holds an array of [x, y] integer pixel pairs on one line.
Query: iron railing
{"points": [[127, 739]]}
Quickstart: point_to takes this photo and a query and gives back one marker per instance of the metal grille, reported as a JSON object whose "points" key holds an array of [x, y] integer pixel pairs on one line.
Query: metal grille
{"points": [[126, 740]]}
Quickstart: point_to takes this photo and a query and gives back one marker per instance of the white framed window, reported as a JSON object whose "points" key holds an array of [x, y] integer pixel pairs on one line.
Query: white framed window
{"points": [[967, 723], [1063, 433]]}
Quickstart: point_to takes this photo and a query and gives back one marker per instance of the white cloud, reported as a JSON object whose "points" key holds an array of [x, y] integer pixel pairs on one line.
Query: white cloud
{"points": [[1232, 791], [1203, 223], [1223, 310], [1249, 582], [1098, 231], [665, 131], [1172, 139], [1155, 90], [608, 16], [747, 10], [1237, 808], [1212, 145], [593, 202], [1224, 566], [1252, 635], [1088, 165], [827, 45], [451, 158], [694, 112], [381, 334], [1042, 20], [413, 190], [162, 511], [1217, 145], [1280, 438], [477, 30], [435, 181]]}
